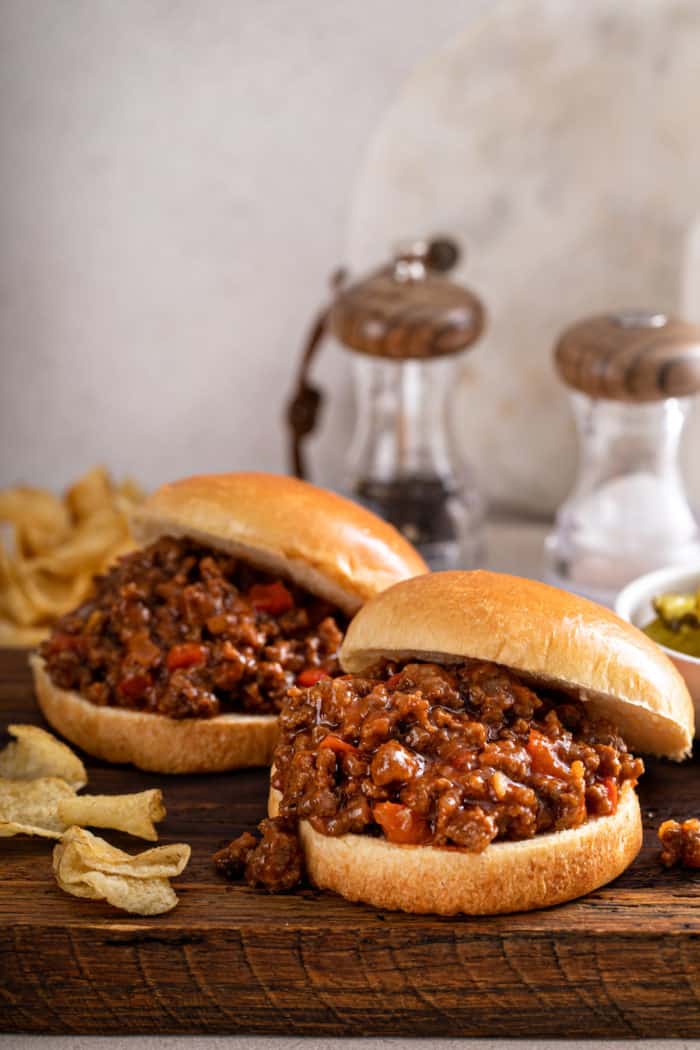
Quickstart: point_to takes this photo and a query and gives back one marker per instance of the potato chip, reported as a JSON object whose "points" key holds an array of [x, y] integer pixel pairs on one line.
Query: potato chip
{"points": [[6, 532], [90, 493], [90, 851], [68, 861], [41, 520], [50, 549], [10, 828], [29, 807], [133, 814], [47, 595], [35, 753], [129, 494], [17, 606], [23, 637], [87, 866], [77, 888], [138, 896], [85, 549]]}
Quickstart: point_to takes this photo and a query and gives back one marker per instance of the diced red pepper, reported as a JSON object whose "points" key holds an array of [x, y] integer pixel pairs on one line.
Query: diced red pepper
{"points": [[338, 745], [544, 758], [612, 791], [62, 641], [392, 682], [189, 654], [272, 598], [400, 824], [134, 686], [311, 675]]}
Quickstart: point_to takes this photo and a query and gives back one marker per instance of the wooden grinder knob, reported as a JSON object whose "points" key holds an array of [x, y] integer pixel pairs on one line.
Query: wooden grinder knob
{"points": [[633, 356], [405, 311]]}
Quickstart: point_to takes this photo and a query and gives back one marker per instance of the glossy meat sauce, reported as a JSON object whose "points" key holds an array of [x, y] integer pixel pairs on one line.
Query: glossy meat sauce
{"points": [[455, 757], [189, 632]]}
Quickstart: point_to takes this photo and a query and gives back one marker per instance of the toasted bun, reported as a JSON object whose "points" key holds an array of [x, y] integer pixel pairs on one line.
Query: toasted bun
{"points": [[549, 636], [329, 545], [151, 741], [507, 876]]}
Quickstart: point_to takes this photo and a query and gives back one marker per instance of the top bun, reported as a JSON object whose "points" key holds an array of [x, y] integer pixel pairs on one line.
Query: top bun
{"points": [[327, 544], [548, 636]]}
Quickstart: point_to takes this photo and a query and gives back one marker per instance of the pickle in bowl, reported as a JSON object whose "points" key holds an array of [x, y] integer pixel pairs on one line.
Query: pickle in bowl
{"points": [[677, 622]]}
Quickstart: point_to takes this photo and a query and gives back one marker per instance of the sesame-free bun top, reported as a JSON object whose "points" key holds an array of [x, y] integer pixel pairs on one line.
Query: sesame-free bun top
{"points": [[329, 545], [549, 636]]}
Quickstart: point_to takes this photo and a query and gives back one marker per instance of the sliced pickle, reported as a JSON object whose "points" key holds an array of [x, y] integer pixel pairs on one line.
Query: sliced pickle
{"points": [[675, 610], [677, 623]]}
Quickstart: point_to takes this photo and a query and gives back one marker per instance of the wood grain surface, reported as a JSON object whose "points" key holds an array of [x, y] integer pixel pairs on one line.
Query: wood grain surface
{"points": [[631, 357], [403, 320], [624, 961]]}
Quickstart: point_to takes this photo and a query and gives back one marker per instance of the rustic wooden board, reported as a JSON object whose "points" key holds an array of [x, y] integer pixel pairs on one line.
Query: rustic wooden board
{"points": [[624, 961]]}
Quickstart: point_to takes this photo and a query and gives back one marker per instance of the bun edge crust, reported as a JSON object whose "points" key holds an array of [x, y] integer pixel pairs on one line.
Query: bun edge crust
{"points": [[330, 545], [545, 635], [507, 877], [151, 741]]}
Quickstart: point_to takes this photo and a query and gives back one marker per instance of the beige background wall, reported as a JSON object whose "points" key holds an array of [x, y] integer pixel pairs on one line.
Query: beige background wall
{"points": [[176, 180]]}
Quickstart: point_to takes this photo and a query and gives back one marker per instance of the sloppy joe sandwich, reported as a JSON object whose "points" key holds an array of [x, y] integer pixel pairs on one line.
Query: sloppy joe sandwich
{"points": [[180, 659], [476, 756]]}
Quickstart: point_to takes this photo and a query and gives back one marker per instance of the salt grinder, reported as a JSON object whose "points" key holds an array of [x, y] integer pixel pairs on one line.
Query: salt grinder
{"points": [[404, 324], [633, 376]]}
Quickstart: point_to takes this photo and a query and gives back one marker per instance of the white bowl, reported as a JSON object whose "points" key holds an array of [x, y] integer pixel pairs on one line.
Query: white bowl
{"points": [[633, 604]]}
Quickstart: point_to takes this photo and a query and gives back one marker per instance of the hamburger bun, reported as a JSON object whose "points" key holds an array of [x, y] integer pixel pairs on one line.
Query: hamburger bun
{"points": [[506, 877], [549, 638], [329, 545], [152, 741]]}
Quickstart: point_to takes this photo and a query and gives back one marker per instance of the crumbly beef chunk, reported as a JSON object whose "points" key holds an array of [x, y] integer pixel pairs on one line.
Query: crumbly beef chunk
{"points": [[680, 843], [275, 862]]}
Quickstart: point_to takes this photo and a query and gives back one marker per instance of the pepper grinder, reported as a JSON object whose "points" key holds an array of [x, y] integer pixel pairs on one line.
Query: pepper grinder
{"points": [[633, 376], [404, 324]]}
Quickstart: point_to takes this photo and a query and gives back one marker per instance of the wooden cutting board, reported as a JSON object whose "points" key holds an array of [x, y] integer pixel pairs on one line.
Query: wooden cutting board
{"points": [[624, 961]]}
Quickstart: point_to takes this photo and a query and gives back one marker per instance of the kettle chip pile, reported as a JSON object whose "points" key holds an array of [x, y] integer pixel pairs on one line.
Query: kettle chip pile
{"points": [[51, 547], [39, 782]]}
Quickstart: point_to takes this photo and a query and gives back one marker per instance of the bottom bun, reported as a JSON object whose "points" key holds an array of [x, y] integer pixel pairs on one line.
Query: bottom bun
{"points": [[151, 741], [506, 877]]}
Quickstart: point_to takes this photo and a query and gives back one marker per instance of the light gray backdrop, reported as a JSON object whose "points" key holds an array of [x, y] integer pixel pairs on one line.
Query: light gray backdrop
{"points": [[176, 179]]}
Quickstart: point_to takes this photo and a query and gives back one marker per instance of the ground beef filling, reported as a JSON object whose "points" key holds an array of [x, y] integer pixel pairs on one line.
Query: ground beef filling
{"points": [[455, 757], [680, 843], [186, 631]]}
